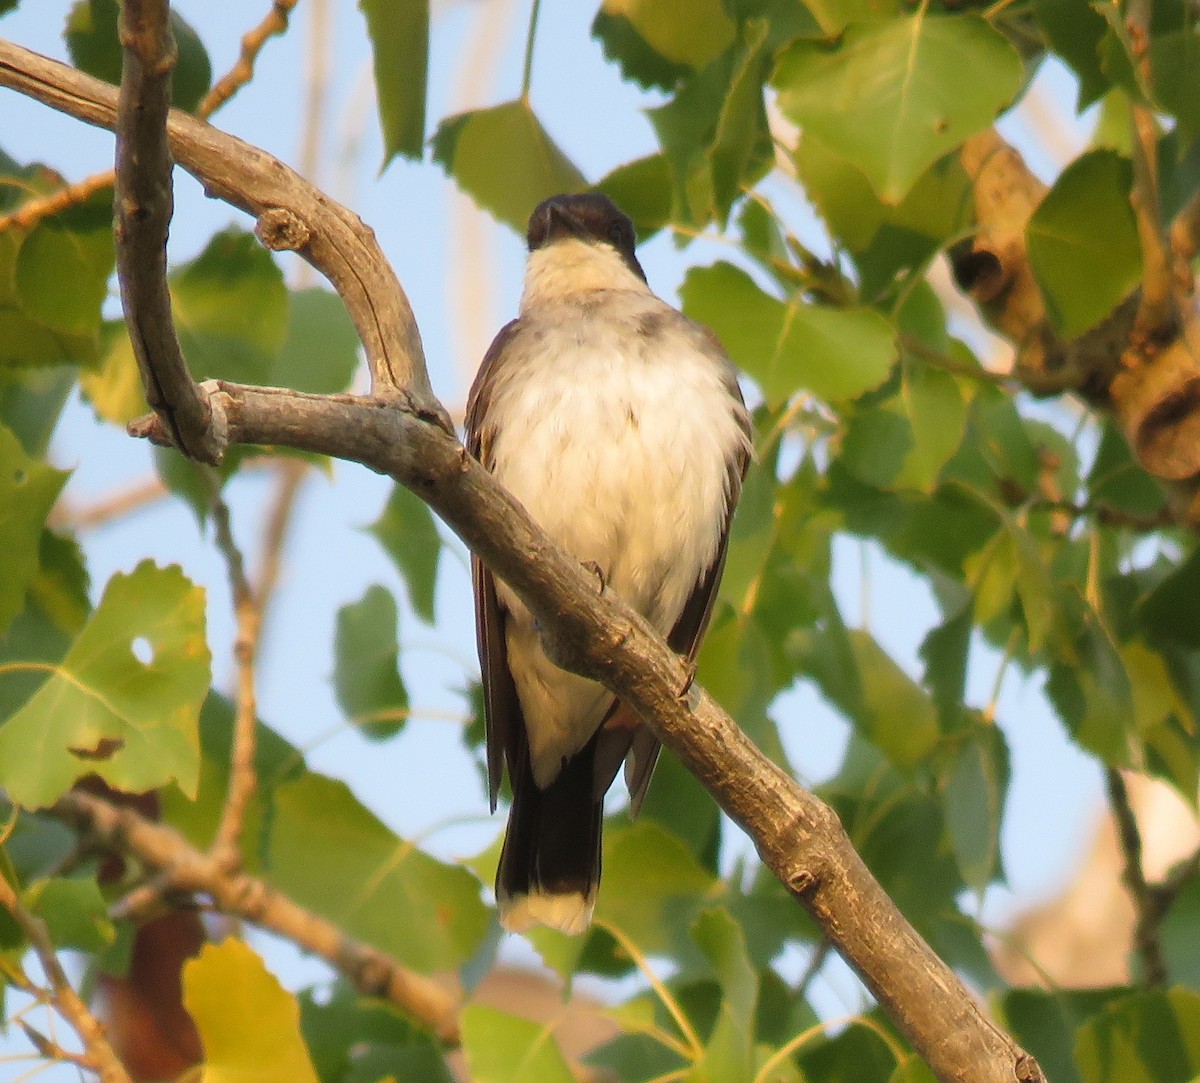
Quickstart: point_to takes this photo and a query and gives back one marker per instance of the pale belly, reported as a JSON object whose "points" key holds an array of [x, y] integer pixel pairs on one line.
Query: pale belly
{"points": [[623, 461]]}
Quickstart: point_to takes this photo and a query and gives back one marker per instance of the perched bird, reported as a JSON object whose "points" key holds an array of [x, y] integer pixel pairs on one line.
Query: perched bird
{"points": [[618, 423]]}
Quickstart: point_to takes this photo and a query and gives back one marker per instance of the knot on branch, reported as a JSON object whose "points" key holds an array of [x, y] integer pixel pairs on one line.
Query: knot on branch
{"points": [[1027, 1070], [802, 883], [1157, 399], [282, 230]]}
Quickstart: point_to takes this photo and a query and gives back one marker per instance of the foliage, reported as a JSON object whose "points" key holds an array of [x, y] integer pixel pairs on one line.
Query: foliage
{"points": [[1042, 540]]}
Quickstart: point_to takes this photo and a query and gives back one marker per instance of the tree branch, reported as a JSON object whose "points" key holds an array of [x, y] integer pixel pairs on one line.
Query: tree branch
{"points": [[144, 205], [100, 1055], [1142, 370], [183, 868], [408, 437], [274, 22], [1149, 917], [243, 780]]}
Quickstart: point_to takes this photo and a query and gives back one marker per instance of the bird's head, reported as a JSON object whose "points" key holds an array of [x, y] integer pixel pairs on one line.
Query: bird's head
{"points": [[566, 227]]}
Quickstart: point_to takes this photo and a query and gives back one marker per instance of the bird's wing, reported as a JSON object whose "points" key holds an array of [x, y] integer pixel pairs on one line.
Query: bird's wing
{"points": [[685, 637], [502, 709]]}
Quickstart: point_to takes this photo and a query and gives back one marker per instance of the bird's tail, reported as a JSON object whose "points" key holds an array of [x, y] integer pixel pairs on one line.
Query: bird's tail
{"points": [[550, 863]]}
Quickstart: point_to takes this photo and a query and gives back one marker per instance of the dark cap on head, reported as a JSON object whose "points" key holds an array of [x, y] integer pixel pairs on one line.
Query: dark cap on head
{"points": [[588, 217]]}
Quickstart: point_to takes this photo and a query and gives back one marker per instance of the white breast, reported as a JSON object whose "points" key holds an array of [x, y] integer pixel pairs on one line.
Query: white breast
{"points": [[615, 430]]}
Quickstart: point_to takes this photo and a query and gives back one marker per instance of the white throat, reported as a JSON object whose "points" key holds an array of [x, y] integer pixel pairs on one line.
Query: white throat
{"points": [[569, 266]]}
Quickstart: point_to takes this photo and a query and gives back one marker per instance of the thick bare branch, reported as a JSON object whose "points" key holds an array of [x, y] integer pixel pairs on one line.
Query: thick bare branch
{"points": [[798, 836], [144, 205], [183, 868], [292, 215]]}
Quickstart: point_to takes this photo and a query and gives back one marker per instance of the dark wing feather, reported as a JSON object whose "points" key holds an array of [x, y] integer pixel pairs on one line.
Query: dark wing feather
{"points": [[502, 710]]}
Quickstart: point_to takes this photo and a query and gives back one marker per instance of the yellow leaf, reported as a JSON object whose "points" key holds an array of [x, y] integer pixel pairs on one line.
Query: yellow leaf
{"points": [[249, 1024]]}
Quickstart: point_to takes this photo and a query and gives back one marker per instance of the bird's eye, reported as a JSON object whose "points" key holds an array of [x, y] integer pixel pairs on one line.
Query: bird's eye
{"points": [[619, 234]]}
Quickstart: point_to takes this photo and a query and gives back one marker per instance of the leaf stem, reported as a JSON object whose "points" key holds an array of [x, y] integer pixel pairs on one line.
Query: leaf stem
{"points": [[527, 71], [664, 994]]}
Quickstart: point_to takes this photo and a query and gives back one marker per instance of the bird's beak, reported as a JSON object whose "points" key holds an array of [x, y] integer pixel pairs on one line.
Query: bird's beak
{"points": [[561, 223]]}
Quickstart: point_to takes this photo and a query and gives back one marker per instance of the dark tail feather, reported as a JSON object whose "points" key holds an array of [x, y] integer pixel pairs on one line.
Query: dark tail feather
{"points": [[550, 864]]}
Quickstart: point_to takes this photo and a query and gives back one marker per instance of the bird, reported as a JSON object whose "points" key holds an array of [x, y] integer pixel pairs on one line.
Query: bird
{"points": [[618, 423]]}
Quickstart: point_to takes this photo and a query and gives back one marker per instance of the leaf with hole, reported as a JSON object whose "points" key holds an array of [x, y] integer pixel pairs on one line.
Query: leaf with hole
{"points": [[123, 704]]}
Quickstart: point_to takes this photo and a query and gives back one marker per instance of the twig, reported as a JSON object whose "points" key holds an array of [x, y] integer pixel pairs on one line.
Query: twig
{"points": [[291, 476], [405, 434], [243, 780], [949, 364], [101, 1058], [29, 214], [115, 505], [183, 868], [276, 22], [1148, 921]]}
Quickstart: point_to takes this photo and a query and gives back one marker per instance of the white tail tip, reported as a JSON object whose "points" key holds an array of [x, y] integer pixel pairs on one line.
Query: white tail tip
{"points": [[570, 914]]}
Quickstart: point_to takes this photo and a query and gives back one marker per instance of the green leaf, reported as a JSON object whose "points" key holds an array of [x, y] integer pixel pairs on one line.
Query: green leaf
{"points": [[1075, 30], [231, 309], [623, 45], [28, 490], [399, 34], [836, 353], [359, 1039], [503, 1048], [685, 32], [642, 189], [729, 1052], [74, 910], [899, 716], [1083, 243], [469, 145], [1163, 616], [365, 677], [123, 703], [372, 884], [31, 402], [1148, 1036], [1091, 691], [114, 385], [1181, 935], [973, 798], [651, 882], [58, 251], [833, 16], [905, 440], [1175, 77], [886, 240], [408, 534], [320, 352], [742, 149], [1045, 1023], [1118, 481], [890, 97], [944, 651], [236, 1002], [94, 45]]}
